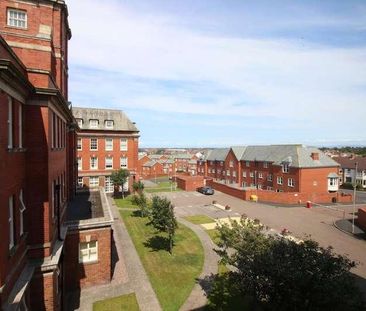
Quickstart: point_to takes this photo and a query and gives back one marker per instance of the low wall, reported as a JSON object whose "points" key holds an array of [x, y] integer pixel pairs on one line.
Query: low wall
{"points": [[361, 219], [280, 197], [189, 183]]}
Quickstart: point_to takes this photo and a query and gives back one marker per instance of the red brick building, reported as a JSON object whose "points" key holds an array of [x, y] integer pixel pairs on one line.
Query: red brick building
{"points": [[38, 159], [37, 139], [276, 168], [107, 141]]}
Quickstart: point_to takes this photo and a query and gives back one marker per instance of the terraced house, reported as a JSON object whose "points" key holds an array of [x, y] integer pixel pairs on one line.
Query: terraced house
{"points": [[107, 141], [275, 168]]}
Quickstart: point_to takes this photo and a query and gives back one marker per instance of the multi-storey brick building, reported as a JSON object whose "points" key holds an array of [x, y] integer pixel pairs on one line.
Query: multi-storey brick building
{"points": [[37, 155], [279, 168], [348, 172], [38, 164], [107, 141]]}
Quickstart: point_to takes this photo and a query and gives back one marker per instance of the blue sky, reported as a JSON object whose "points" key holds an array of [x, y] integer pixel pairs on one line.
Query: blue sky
{"points": [[224, 72]]}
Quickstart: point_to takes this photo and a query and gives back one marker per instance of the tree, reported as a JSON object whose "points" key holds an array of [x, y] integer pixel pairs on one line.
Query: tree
{"points": [[119, 178], [280, 274], [138, 186], [163, 219], [141, 201]]}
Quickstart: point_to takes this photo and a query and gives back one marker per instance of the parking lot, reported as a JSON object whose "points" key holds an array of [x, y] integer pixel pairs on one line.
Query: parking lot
{"points": [[316, 222]]}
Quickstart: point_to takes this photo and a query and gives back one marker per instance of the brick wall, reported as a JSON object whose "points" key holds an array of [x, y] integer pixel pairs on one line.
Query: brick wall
{"points": [[280, 197], [189, 183], [361, 219], [80, 275]]}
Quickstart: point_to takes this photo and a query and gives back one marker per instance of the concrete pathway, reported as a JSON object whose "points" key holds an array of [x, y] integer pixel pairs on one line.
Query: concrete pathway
{"points": [[129, 276], [197, 299]]}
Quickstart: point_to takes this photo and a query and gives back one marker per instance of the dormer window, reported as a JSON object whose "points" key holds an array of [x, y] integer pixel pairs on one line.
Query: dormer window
{"points": [[80, 122], [285, 168], [93, 123], [17, 18], [109, 124]]}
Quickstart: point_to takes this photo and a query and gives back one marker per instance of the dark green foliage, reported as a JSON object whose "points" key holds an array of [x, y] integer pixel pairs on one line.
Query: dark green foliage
{"points": [[138, 186], [348, 185], [119, 178], [283, 275], [141, 201], [162, 218]]}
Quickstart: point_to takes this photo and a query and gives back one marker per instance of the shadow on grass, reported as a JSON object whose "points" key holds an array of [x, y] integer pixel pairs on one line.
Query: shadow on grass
{"points": [[158, 243]]}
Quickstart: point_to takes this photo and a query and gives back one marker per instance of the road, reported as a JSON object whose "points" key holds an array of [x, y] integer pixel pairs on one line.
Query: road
{"points": [[316, 222], [360, 196]]}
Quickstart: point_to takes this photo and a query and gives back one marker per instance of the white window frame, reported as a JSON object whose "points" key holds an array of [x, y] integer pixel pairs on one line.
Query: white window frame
{"points": [[265, 164], [260, 175], [247, 163], [285, 168], [270, 177], [90, 251], [122, 161], [228, 173], [80, 181], [234, 173], [22, 208], [107, 124], [91, 144], [79, 146], [231, 164], [80, 123], [93, 167], [80, 167], [11, 222], [109, 144], [94, 184], [333, 181], [10, 122], [244, 174], [93, 123], [17, 21], [251, 174], [124, 145], [108, 163], [291, 182], [279, 180]]}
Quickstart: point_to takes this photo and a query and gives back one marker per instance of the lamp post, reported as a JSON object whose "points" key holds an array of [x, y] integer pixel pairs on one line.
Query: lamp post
{"points": [[354, 199]]}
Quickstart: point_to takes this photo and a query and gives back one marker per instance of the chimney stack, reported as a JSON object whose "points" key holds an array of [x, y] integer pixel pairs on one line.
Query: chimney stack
{"points": [[315, 156]]}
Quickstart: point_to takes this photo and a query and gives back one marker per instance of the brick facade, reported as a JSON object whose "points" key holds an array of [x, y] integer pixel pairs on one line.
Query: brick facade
{"points": [[189, 183]]}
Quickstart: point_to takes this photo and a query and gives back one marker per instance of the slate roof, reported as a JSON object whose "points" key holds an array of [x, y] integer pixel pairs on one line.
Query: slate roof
{"points": [[295, 155], [120, 119], [151, 163], [217, 154], [350, 163], [182, 156]]}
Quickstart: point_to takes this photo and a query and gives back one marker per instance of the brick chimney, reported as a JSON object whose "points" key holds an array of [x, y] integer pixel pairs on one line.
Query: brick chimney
{"points": [[315, 156]]}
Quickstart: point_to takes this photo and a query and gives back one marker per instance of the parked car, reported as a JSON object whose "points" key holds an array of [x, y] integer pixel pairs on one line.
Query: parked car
{"points": [[206, 190]]}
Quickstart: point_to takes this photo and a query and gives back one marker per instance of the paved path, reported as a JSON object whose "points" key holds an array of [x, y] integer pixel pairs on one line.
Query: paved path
{"points": [[130, 265], [197, 299]]}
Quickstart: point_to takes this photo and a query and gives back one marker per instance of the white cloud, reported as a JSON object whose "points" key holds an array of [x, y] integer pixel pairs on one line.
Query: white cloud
{"points": [[293, 80]]}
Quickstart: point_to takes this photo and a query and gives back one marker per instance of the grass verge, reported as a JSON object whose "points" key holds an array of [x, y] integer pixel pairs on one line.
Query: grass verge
{"points": [[125, 203], [199, 219], [124, 302], [172, 276]]}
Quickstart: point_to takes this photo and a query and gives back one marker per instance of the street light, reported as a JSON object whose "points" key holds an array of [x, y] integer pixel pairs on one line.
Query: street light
{"points": [[354, 199]]}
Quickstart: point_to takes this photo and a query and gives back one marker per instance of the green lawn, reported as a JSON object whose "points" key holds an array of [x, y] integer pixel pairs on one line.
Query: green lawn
{"points": [[125, 302], [164, 186], [125, 203], [172, 276], [199, 219], [214, 235]]}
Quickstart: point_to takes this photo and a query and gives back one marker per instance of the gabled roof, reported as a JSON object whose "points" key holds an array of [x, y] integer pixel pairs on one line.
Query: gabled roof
{"points": [[295, 155], [351, 162], [151, 163], [120, 119], [217, 154], [182, 156]]}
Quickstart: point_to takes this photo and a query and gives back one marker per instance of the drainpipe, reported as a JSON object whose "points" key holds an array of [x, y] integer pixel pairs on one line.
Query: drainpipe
{"points": [[58, 200]]}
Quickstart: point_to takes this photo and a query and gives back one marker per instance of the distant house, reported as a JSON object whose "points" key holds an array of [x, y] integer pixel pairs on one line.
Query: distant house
{"points": [[348, 170], [278, 168]]}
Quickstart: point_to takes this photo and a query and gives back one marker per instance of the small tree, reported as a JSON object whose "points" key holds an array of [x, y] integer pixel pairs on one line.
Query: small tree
{"points": [[280, 274], [141, 201], [163, 218], [119, 178], [138, 186]]}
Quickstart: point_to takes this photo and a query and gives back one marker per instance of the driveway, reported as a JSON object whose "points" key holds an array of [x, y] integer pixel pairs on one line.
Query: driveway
{"points": [[316, 222]]}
